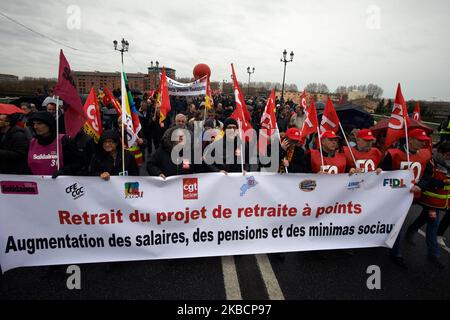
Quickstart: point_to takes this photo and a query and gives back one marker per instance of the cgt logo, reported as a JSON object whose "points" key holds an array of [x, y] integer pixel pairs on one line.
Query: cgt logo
{"points": [[394, 183], [190, 189], [132, 190]]}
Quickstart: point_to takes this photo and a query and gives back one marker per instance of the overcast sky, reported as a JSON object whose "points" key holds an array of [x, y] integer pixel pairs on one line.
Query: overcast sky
{"points": [[335, 42]]}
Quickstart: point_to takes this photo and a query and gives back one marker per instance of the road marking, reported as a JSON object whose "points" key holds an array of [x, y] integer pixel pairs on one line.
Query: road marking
{"points": [[269, 278], [424, 235], [230, 278]]}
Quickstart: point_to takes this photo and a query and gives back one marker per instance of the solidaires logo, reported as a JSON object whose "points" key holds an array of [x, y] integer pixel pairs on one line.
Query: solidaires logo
{"points": [[308, 185], [19, 187]]}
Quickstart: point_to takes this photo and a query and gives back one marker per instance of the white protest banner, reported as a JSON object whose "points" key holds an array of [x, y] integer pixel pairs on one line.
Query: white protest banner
{"points": [[72, 220], [195, 88]]}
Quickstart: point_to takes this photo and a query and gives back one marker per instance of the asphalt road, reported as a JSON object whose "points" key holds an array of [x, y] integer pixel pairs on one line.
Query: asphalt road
{"points": [[302, 275]]}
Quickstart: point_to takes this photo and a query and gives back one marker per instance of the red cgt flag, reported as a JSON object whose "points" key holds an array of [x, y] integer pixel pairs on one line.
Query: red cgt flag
{"points": [[109, 98], [399, 120], [268, 123], [165, 100], [311, 123], [93, 125], [330, 120], [303, 102], [241, 113], [416, 113], [74, 116]]}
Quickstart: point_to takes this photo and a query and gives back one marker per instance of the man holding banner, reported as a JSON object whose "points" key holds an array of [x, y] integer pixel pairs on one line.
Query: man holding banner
{"points": [[328, 160]]}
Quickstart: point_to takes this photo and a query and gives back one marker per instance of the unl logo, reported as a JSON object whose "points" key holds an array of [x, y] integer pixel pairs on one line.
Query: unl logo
{"points": [[190, 189], [132, 190]]}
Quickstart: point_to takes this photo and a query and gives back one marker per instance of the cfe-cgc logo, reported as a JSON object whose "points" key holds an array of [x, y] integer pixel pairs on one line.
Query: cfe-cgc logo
{"points": [[394, 183], [190, 188], [132, 190], [75, 191], [19, 187]]}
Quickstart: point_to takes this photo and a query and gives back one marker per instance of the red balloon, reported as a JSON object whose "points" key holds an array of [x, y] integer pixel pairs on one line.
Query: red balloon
{"points": [[201, 70]]}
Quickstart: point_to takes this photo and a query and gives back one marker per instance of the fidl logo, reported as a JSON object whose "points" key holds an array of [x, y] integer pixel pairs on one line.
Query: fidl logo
{"points": [[132, 190], [394, 183]]}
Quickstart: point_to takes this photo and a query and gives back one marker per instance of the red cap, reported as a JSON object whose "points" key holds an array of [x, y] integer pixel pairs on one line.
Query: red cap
{"points": [[419, 134], [293, 134], [329, 134], [365, 134]]}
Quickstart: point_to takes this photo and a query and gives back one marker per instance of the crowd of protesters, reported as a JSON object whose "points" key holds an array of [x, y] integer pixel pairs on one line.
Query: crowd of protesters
{"points": [[28, 144]]}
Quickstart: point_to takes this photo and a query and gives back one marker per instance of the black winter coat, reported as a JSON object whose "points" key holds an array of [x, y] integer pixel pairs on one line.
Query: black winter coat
{"points": [[14, 151]]}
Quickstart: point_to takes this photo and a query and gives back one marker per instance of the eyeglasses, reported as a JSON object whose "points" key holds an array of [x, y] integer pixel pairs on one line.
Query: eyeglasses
{"points": [[232, 127]]}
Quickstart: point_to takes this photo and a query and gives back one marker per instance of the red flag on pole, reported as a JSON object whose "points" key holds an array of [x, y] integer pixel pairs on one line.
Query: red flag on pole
{"points": [[268, 123], [74, 116], [165, 100], [330, 120], [109, 98], [209, 102], [303, 102], [399, 120], [311, 123], [416, 113], [93, 125], [241, 113]]}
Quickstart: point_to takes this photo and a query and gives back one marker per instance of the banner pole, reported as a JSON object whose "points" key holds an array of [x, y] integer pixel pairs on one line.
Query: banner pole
{"points": [[57, 133], [242, 156], [407, 143]]}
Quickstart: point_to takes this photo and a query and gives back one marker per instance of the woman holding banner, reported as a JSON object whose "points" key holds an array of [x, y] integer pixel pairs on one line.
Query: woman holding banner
{"points": [[161, 162], [44, 156], [107, 160]]}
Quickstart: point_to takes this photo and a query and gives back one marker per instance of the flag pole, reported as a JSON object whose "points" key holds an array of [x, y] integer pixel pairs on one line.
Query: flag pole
{"points": [[57, 133], [122, 82], [320, 146], [349, 147], [407, 143]]}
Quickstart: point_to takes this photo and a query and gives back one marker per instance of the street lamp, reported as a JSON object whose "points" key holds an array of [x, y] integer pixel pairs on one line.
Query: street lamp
{"points": [[249, 74], [125, 46], [284, 74]]}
